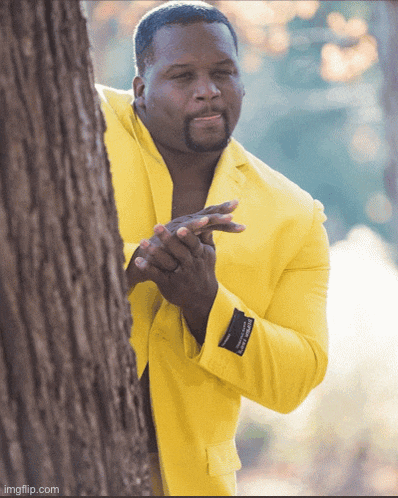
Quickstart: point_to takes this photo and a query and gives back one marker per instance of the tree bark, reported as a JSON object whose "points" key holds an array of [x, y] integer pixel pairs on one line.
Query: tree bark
{"points": [[386, 31], [70, 406]]}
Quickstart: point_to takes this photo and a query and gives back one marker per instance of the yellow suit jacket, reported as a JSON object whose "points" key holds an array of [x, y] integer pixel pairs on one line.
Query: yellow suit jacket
{"points": [[275, 272]]}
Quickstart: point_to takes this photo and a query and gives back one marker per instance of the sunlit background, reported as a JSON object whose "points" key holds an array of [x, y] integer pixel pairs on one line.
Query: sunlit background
{"points": [[313, 111]]}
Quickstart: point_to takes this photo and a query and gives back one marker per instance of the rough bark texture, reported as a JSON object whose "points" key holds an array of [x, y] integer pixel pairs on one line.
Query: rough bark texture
{"points": [[387, 37], [70, 410]]}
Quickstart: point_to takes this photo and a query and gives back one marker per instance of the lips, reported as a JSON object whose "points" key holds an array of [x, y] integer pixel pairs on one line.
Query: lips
{"points": [[215, 120], [214, 117]]}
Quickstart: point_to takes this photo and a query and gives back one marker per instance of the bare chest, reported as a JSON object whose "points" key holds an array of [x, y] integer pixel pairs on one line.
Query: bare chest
{"points": [[188, 199]]}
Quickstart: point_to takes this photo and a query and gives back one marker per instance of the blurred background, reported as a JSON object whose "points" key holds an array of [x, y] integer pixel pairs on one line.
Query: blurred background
{"points": [[318, 108]]}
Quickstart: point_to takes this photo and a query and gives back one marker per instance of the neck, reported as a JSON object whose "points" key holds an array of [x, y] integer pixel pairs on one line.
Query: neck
{"points": [[190, 167]]}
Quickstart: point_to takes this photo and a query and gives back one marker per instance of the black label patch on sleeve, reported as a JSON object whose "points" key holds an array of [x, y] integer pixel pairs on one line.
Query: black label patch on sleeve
{"points": [[238, 333]]}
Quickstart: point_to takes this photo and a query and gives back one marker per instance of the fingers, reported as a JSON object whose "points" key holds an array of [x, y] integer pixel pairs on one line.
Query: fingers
{"points": [[213, 215], [224, 208], [220, 218], [182, 238], [173, 245], [166, 251], [207, 238], [195, 224], [149, 271], [192, 221], [157, 256], [230, 227], [215, 221], [190, 240]]}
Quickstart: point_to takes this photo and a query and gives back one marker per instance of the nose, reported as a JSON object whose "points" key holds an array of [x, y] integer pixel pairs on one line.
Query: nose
{"points": [[206, 89]]}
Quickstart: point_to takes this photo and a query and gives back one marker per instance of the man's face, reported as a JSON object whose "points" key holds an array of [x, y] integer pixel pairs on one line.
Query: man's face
{"points": [[191, 95]]}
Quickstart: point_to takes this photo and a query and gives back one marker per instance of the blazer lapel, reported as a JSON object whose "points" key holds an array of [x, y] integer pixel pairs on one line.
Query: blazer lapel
{"points": [[228, 180]]}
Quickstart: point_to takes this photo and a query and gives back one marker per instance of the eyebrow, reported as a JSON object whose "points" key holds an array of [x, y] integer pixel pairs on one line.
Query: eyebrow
{"points": [[226, 61], [176, 67], [185, 66]]}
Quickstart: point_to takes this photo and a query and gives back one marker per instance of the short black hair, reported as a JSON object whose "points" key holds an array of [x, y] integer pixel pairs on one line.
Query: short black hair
{"points": [[172, 12]]}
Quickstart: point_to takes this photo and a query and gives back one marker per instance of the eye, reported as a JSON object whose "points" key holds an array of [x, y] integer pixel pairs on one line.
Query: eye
{"points": [[222, 73], [183, 76]]}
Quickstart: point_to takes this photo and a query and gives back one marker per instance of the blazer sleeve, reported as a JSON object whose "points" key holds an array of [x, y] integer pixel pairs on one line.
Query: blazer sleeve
{"points": [[285, 356]]}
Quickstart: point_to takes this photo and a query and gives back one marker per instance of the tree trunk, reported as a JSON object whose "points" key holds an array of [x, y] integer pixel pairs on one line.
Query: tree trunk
{"points": [[70, 406], [386, 31]]}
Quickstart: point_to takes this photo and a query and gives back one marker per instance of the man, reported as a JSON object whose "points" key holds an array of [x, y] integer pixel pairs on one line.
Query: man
{"points": [[243, 314]]}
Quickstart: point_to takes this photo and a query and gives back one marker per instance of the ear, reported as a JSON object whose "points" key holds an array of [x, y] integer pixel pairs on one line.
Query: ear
{"points": [[139, 92]]}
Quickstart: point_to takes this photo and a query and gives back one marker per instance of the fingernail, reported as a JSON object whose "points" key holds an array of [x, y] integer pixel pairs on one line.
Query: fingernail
{"points": [[182, 231], [140, 262], [205, 219], [241, 227], [226, 216], [144, 243], [158, 228], [234, 202]]}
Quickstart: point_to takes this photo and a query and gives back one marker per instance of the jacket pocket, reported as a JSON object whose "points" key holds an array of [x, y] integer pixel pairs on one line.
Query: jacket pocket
{"points": [[222, 458]]}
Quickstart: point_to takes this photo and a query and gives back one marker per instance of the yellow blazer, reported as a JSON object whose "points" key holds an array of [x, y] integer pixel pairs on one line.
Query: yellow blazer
{"points": [[275, 272]]}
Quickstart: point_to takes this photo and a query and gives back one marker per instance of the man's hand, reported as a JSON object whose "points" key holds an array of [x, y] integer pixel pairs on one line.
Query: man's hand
{"points": [[192, 284], [180, 258], [181, 266], [202, 223], [218, 218]]}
